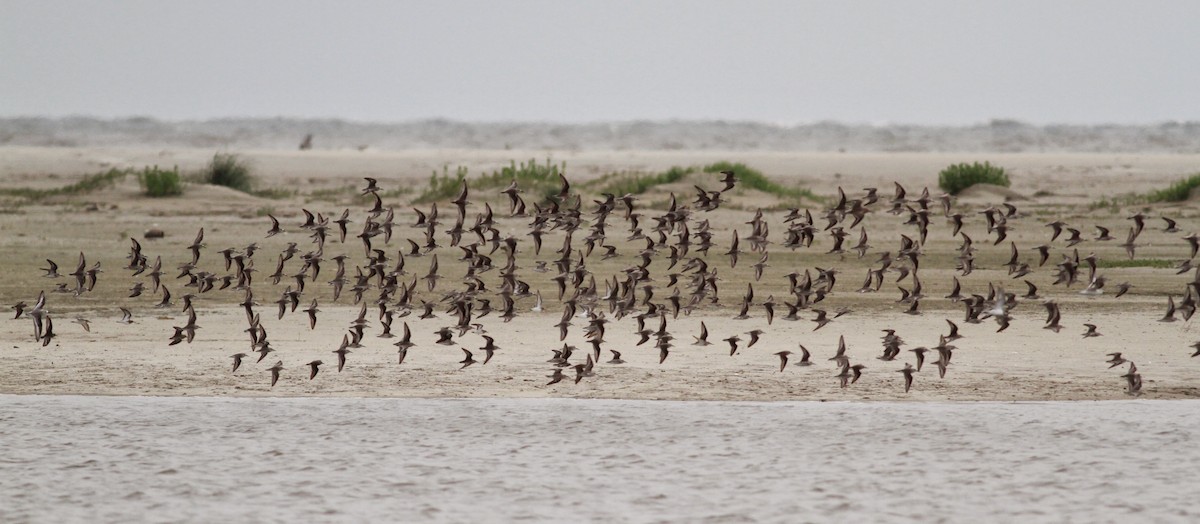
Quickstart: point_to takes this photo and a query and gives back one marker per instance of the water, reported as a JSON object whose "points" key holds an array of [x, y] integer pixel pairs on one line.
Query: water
{"points": [[122, 459]]}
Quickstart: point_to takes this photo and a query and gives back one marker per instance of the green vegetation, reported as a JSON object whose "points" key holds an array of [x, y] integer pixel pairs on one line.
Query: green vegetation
{"points": [[229, 171], [529, 175], [541, 180], [274, 193], [748, 178], [958, 177], [1139, 262], [87, 184], [160, 182], [635, 183], [1177, 192], [444, 187]]}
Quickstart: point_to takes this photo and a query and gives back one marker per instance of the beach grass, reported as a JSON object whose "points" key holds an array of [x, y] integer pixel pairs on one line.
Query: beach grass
{"points": [[955, 178], [157, 182], [1176, 192], [87, 184], [229, 171]]}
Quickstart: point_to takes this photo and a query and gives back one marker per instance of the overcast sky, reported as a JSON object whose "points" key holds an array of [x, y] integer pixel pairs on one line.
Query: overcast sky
{"points": [[953, 62]]}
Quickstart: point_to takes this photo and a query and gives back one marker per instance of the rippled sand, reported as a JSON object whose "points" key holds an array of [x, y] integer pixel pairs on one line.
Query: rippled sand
{"points": [[122, 459]]}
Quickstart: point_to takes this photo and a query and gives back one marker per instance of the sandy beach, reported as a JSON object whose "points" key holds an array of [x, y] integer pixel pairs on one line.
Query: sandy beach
{"points": [[1024, 363]]}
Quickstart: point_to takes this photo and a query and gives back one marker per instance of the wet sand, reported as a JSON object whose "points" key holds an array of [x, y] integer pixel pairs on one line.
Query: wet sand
{"points": [[102, 459]]}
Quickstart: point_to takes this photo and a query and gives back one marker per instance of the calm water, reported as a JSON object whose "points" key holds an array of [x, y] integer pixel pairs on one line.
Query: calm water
{"points": [[123, 459]]}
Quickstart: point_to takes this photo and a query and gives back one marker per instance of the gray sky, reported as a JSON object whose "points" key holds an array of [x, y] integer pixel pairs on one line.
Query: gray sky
{"points": [[953, 62]]}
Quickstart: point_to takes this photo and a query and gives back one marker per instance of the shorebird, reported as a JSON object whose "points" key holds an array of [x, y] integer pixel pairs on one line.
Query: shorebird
{"points": [[1133, 381], [237, 361], [1115, 361], [445, 337], [804, 357], [1169, 316], [733, 344], [313, 368], [783, 359], [702, 340], [489, 347], [467, 360], [84, 323], [908, 376], [312, 314], [616, 357], [275, 228], [822, 319], [275, 372], [52, 271], [754, 337], [1091, 331]]}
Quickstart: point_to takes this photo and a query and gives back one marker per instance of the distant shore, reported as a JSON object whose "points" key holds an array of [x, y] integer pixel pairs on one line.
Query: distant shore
{"points": [[996, 136]]}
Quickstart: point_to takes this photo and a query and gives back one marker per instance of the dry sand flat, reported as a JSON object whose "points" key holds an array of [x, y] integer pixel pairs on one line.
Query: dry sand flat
{"points": [[1026, 362]]}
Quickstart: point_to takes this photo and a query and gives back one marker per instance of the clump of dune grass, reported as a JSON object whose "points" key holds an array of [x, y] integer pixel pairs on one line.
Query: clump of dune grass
{"points": [[229, 171], [158, 182], [275, 193], [638, 183], [750, 178], [1177, 192], [958, 177], [1138, 262], [87, 184], [541, 180], [444, 187]]}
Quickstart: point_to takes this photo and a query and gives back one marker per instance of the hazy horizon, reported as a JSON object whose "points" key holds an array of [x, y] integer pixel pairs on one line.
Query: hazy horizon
{"points": [[785, 63]]}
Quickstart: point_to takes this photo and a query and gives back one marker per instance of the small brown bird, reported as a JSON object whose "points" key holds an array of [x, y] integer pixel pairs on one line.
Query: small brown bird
{"points": [[1091, 331], [556, 377], [1115, 361], [313, 368], [754, 337], [237, 361], [467, 360], [822, 319], [908, 376], [804, 357], [341, 353], [489, 348], [702, 340], [275, 372], [312, 314], [783, 359], [733, 347]]}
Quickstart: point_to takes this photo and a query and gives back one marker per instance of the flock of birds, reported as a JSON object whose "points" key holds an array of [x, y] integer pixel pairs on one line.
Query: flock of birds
{"points": [[676, 237]]}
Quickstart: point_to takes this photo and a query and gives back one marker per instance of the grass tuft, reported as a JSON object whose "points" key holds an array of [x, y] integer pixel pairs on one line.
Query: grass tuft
{"points": [[444, 187], [1137, 262], [1177, 192], [229, 171], [636, 183], [87, 184], [275, 193], [958, 177], [160, 182], [750, 178]]}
